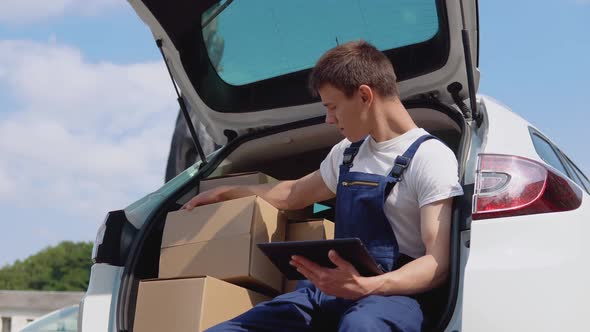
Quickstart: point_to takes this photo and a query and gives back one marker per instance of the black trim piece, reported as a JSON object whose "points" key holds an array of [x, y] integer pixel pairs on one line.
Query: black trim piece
{"points": [[464, 205], [454, 268], [563, 158], [554, 148], [577, 171], [118, 235], [282, 91], [154, 224]]}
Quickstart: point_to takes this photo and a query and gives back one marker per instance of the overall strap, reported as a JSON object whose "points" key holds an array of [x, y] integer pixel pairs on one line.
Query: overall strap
{"points": [[403, 161], [351, 152]]}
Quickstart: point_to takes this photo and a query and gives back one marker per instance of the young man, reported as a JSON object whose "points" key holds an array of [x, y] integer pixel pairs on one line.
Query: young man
{"points": [[393, 185]]}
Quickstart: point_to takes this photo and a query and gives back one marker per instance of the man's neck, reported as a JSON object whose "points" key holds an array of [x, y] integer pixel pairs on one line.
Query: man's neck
{"points": [[390, 120]]}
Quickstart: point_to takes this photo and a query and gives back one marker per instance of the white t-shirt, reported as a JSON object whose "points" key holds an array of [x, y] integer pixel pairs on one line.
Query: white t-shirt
{"points": [[431, 176]]}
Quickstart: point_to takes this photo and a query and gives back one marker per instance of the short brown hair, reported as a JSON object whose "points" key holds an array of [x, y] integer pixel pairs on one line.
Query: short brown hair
{"points": [[350, 65]]}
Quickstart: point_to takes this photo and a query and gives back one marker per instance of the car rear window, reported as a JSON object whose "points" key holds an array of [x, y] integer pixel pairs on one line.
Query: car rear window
{"points": [[253, 40]]}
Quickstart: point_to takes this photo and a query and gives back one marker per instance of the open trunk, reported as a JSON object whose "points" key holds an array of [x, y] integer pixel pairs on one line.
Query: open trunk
{"points": [[289, 152]]}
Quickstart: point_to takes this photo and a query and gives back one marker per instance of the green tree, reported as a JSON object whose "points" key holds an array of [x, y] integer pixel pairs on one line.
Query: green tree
{"points": [[64, 267]]}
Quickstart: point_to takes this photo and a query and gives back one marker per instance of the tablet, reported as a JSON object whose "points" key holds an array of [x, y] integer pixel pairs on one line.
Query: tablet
{"points": [[350, 249]]}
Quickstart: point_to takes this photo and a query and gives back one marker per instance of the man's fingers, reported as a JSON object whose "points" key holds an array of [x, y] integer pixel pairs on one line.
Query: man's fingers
{"points": [[312, 270], [339, 261], [307, 263], [193, 203], [308, 274], [188, 206]]}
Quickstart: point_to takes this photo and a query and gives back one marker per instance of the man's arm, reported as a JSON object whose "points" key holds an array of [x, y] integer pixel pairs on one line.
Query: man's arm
{"points": [[420, 275], [284, 195], [431, 270]]}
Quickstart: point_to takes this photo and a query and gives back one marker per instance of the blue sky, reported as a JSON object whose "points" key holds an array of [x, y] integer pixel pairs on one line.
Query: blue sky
{"points": [[87, 110]]}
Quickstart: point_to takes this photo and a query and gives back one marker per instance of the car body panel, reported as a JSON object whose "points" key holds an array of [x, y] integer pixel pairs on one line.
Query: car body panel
{"points": [[98, 308], [525, 273], [508, 131], [528, 273]]}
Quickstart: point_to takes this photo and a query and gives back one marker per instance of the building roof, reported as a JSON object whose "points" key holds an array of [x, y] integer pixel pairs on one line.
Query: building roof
{"points": [[37, 300]]}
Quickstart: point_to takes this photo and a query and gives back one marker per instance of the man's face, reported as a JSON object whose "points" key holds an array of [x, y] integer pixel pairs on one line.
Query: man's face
{"points": [[346, 113]]}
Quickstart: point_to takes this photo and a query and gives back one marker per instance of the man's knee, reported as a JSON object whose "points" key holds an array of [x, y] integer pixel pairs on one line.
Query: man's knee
{"points": [[379, 313], [288, 312]]}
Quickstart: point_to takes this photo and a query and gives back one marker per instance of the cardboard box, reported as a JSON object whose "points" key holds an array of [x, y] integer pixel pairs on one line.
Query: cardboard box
{"points": [[321, 229], [220, 240], [301, 214], [252, 178], [235, 179], [192, 304], [308, 230]]}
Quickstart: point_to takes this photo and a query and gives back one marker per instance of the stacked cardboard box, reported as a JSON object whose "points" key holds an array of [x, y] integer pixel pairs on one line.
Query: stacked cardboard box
{"points": [[220, 240], [312, 229], [202, 246], [192, 304], [307, 230], [210, 267]]}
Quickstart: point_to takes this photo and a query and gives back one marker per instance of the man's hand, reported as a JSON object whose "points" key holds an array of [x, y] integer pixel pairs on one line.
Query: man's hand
{"points": [[283, 195], [344, 281], [207, 197]]}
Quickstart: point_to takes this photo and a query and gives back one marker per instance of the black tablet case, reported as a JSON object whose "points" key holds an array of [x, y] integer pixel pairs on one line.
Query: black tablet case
{"points": [[350, 249]]}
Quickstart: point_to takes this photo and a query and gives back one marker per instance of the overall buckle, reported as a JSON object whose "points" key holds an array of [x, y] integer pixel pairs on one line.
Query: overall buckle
{"points": [[347, 160], [401, 163]]}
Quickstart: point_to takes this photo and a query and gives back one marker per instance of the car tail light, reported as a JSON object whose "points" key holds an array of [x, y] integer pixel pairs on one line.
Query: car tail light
{"points": [[512, 186]]}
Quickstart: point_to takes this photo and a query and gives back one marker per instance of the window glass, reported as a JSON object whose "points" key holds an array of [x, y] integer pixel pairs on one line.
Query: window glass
{"points": [[547, 153], [252, 40]]}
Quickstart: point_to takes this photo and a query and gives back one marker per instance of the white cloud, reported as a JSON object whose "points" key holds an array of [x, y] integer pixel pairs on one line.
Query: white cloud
{"points": [[6, 183], [84, 137], [29, 11]]}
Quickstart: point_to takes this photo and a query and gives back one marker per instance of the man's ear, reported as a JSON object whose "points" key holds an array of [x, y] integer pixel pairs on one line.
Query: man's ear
{"points": [[366, 94]]}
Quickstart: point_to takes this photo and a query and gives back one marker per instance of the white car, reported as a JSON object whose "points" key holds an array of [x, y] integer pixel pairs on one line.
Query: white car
{"points": [[519, 247], [63, 319]]}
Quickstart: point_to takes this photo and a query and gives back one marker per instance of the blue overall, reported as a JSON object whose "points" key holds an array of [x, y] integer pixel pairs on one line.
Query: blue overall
{"points": [[359, 213]]}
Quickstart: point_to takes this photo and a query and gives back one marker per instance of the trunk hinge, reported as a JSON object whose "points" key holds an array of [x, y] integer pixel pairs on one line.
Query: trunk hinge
{"points": [[182, 105], [469, 68]]}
